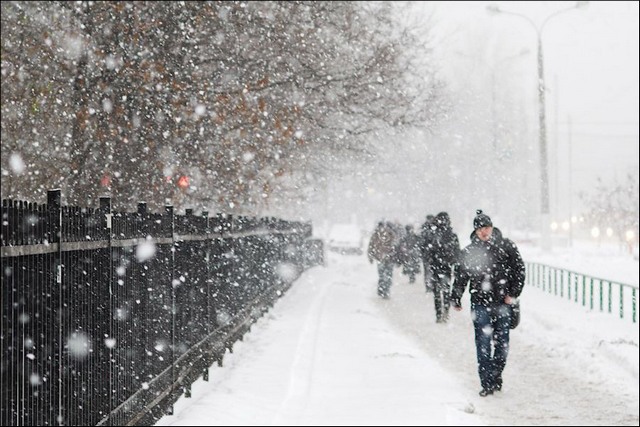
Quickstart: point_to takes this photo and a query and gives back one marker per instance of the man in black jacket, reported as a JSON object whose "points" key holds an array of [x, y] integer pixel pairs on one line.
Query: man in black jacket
{"points": [[493, 268], [427, 232], [443, 255]]}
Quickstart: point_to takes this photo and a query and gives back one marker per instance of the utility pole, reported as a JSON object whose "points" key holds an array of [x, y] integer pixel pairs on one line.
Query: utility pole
{"points": [[542, 119]]}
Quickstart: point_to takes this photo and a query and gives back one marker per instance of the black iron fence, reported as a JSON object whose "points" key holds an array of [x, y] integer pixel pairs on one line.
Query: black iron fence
{"points": [[108, 317]]}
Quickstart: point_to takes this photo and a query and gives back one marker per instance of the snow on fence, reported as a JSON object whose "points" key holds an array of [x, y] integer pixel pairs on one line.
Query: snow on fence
{"points": [[108, 317]]}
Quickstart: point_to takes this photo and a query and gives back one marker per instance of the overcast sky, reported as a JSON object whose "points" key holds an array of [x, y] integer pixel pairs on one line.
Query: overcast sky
{"points": [[591, 70], [489, 65]]}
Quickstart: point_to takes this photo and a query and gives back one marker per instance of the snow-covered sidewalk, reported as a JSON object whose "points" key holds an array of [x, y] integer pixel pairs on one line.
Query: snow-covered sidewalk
{"points": [[332, 353]]}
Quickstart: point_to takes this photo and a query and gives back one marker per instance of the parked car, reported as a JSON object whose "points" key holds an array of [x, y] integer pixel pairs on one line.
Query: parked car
{"points": [[345, 239]]}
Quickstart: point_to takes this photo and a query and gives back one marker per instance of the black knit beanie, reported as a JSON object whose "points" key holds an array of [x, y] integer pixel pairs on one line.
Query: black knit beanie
{"points": [[481, 220], [443, 219]]}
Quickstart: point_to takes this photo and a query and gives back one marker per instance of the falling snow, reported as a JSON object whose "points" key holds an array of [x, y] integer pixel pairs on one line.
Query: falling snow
{"points": [[259, 115], [145, 251]]}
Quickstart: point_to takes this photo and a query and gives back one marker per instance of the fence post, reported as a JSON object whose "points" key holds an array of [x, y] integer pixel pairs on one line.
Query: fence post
{"points": [[55, 231], [188, 222], [106, 307], [170, 218], [205, 215], [143, 230], [207, 258], [549, 284]]}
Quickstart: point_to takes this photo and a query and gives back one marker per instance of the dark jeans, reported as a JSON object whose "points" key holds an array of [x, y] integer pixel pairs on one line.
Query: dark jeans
{"points": [[411, 267], [428, 285], [491, 326], [441, 290], [385, 273]]}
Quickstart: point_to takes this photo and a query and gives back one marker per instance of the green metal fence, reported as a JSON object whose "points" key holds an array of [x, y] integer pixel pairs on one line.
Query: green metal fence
{"points": [[592, 292]]}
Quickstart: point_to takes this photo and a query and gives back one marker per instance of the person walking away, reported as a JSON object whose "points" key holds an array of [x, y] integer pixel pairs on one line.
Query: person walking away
{"points": [[427, 231], [382, 248], [492, 267], [443, 257], [410, 254]]}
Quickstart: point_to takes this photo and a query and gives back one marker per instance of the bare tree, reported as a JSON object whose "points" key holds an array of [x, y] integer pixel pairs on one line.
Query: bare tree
{"points": [[240, 97], [615, 205]]}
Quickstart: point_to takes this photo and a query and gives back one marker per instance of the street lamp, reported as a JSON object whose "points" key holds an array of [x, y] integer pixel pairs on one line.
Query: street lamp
{"points": [[544, 173]]}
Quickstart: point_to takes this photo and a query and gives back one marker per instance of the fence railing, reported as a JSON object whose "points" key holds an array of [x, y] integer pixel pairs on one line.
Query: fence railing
{"points": [[597, 294], [108, 317]]}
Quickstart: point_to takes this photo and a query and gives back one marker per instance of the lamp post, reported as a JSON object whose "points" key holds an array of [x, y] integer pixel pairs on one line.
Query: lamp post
{"points": [[542, 130]]}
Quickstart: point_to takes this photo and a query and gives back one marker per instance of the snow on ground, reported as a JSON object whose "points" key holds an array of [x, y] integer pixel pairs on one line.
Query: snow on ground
{"points": [[332, 353]]}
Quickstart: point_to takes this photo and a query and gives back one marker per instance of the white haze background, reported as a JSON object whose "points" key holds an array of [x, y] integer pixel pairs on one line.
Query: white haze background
{"points": [[591, 74], [489, 64]]}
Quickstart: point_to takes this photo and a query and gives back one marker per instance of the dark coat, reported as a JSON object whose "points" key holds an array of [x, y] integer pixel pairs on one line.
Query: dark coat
{"points": [[493, 270], [409, 248], [427, 234], [382, 246], [444, 251]]}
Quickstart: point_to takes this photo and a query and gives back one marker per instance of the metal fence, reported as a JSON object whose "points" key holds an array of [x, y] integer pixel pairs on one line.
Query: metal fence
{"points": [[592, 292], [108, 317]]}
